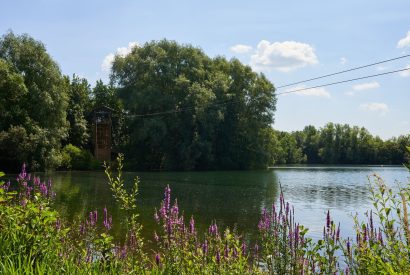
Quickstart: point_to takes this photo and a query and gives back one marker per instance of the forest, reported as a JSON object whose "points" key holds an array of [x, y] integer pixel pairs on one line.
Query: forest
{"points": [[174, 108]]}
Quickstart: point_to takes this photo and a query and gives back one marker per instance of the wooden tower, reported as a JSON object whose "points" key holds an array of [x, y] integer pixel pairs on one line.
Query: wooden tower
{"points": [[102, 124]]}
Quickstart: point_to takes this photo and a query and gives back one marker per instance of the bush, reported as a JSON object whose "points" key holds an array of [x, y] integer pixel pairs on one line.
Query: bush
{"points": [[74, 158]]}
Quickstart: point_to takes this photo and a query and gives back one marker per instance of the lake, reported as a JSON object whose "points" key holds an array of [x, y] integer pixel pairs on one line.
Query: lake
{"points": [[233, 198]]}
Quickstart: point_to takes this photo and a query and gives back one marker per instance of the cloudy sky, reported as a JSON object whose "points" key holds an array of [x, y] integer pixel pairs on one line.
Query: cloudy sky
{"points": [[288, 42]]}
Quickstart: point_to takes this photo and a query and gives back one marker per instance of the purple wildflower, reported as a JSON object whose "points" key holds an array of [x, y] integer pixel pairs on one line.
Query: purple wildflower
{"points": [[205, 247], [23, 174], [218, 257], [175, 209], [213, 229], [6, 186], [338, 232], [158, 259], [243, 248], [107, 220], [167, 198], [226, 250], [58, 224], [192, 225], [123, 252], [380, 237], [328, 220], [82, 229]]}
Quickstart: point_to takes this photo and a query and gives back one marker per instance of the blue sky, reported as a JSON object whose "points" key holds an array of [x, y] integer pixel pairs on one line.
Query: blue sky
{"points": [[287, 41]]}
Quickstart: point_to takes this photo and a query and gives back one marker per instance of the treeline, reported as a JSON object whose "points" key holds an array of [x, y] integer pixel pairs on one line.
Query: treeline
{"points": [[174, 108], [338, 144]]}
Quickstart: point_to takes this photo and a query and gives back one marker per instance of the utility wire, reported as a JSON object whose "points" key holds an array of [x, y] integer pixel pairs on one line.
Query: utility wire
{"points": [[277, 94], [343, 81], [345, 71], [224, 102]]}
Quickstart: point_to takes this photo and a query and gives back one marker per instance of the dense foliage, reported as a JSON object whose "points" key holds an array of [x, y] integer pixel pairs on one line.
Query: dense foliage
{"points": [[34, 238], [217, 111], [338, 144], [33, 103]]}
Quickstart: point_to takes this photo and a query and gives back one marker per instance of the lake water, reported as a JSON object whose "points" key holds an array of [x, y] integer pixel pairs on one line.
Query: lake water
{"points": [[233, 199]]}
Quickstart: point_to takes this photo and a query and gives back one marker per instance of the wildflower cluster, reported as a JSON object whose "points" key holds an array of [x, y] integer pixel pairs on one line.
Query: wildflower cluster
{"points": [[182, 250]]}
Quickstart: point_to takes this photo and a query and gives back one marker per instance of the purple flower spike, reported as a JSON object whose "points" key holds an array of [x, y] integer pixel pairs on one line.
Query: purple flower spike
{"points": [[213, 229], [328, 220], [175, 209], [123, 252], [167, 198], [234, 253], [58, 224], [192, 225], [23, 173], [338, 232], [243, 248], [226, 250], [82, 229], [218, 257], [205, 247], [158, 259], [107, 220], [6, 186]]}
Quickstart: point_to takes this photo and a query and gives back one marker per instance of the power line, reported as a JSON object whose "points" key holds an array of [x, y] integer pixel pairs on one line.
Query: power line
{"points": [[343, 81], [189, 108], [345, 71]]}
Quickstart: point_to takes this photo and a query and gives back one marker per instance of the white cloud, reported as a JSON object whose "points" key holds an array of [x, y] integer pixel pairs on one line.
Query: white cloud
{"points": [[241, 49], [349, 93], [381, 68], [283, 56], [405, 73], [320, 92], [122, 51], [404, 42], [375, 107], [107, 62], [343, 60], [366, 86]]}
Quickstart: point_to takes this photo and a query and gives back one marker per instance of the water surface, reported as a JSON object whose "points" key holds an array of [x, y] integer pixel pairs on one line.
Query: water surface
{"points": [[233, 199]]}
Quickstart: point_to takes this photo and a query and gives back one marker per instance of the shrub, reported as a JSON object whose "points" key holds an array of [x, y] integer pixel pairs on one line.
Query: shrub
{"points": [[74, 158]]}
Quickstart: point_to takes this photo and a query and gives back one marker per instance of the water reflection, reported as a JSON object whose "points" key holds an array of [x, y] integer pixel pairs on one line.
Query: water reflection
{"points": [[233, 199]]}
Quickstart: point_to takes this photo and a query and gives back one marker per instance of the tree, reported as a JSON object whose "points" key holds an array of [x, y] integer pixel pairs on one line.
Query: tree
{"points": [[35, 120], [79, 107], [203, 113]]}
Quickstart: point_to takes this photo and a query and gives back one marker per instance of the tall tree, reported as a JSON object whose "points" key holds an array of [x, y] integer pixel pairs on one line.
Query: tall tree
{"points": [[213, 112], [40, 124]]}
